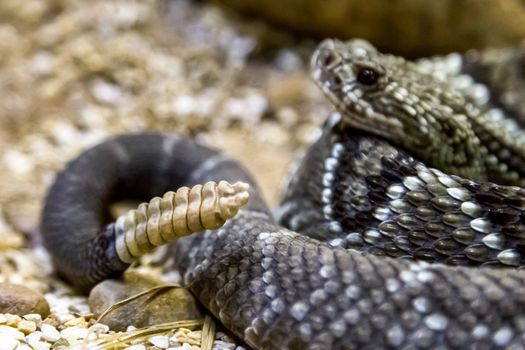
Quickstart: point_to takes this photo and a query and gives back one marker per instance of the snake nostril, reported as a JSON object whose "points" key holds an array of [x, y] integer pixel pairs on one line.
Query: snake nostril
{"points": [[327, 59]]}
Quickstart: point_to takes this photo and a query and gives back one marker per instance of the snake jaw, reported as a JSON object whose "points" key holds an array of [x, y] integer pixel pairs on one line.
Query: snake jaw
{"points": [[177, 214]]}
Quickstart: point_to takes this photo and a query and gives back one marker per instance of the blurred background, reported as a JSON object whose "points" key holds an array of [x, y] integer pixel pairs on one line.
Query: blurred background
{"points": [[232, 73]]}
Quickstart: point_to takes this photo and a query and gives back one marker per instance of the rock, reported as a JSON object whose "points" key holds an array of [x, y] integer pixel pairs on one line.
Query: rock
{"points": [[136, 347], [8, 343], [160, 341], [26, 326], [50, 333], [20, 300], [11, 332], [406, 27], [164, 305], [74, 334]]}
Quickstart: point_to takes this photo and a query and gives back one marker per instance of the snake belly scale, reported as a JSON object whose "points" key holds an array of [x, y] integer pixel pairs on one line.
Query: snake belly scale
{"points": [[403, 226]]}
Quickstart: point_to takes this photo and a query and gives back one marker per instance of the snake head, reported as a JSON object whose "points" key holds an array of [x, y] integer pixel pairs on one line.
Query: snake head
{"points": [[396, 99]]}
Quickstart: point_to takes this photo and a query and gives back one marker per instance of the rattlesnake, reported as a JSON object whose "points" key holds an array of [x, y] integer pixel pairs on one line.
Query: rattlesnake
{"points": [[361, 196]]}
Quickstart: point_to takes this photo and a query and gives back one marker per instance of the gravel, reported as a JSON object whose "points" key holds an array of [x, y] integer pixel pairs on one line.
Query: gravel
{"points": [[75, 72]]}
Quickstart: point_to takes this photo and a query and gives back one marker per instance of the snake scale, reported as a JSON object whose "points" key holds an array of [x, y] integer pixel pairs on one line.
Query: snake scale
{"points": [[375, 247]]}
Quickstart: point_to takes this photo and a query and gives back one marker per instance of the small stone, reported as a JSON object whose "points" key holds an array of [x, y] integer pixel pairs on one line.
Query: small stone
{"points": [[183, 347], [50, 333], [99, 328], [174, 341], [164, 305], [37, 318], [136, 347], [40, 345], [77, 322], [74, 334], [8, 343], [221, 345], [20, 300], [12, 320], [105, 92], [24, 347], [160, 341], [3, 319], [27, 326], [11, 332], [34, 337]]}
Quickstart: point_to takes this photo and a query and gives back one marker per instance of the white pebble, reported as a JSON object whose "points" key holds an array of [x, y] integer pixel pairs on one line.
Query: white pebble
{"points": [[24, 347], [42, 62], [74, 334], [50, 333], [184, 346], [221, 345], [12, 320], [136, 347], [27, 326], [41, 345], [3, 319], [11, 332], [99, 328], [105, 92], [63, 317], [185, 105], [174, 341], [160, 341], [8, 343], [33, 337], [33, 317], [17, 162]]}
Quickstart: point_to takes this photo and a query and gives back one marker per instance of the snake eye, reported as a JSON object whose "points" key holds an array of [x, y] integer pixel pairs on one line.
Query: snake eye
{"points": [[367, 76]]}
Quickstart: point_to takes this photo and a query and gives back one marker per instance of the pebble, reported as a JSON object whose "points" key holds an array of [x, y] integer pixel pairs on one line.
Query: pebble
{"points": [[136, 347], [11, 332], [99, 328], [37, 318], [171, 304], [12, 320], [105, 92], [183, 347], [20, 300], [50, 333], [27, 326], [160, 341], [220, 345], [8, 343], [75, 334], [40, 345], [34, 337]]}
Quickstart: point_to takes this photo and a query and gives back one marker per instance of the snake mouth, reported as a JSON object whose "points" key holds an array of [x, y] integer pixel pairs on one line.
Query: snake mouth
{"points": [[358, 121]]}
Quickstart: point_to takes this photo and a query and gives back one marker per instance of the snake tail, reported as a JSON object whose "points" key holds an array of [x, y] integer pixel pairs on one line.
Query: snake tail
{"points": [[87, 246], [177, 214]]}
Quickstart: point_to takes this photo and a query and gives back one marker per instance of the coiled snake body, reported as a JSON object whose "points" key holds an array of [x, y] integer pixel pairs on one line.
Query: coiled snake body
{"points": [[362, 196]]}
